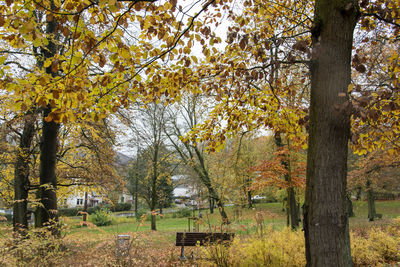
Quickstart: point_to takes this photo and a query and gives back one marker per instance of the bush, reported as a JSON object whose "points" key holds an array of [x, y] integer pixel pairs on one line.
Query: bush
{"points": [[68, 212], [182, 213], [101, 218], [92, 210], [276, 248], [40, 249], [139, 214], [9, 217], [377, 246], [122, 207]]}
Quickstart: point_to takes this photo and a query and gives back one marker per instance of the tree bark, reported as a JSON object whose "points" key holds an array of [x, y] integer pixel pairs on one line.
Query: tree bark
{"points": [[291, 204], [21, 176], [371, 202], [136, 192], [211, 204], [326, 226], [293, 211], [47, 212], [84, 217], [249, 200], [350, 209]]}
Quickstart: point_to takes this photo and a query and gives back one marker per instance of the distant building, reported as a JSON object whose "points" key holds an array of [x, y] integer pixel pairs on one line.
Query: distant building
{"points": [[78, 199]]}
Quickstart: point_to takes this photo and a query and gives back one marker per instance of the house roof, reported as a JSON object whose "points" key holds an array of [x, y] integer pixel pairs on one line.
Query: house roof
{"points": [[182, 192]]}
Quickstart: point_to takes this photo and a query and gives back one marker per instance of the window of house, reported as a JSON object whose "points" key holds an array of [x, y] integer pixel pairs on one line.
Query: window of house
{"points": [[79, 202]]}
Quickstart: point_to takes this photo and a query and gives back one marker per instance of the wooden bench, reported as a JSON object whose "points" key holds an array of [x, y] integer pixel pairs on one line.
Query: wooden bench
{"points": [[200, 238]]}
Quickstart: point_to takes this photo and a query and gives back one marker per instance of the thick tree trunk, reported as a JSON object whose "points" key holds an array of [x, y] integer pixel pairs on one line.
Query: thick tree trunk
{"points": [[371, 202], [326, 226], [219, 203], [249, 201], [153, 222], [136, 193], [47, 213], [21, 176], [350, 210], [292, 218], [358, 194], [293, 210], [211, 204], [84, 217]]}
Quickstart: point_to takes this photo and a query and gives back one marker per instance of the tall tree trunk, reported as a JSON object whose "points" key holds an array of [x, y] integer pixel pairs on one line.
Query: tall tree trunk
{"points": [[371, 202], [153, 209], [358, 194], [211, 200], [48, 180], [217, 200], [326, 226], [154, 197], [84, 217], [293, 210], [350, 209], [249, 200], [136, 193], [153, 222], [47, 212], [21, 176], [291, 204]]}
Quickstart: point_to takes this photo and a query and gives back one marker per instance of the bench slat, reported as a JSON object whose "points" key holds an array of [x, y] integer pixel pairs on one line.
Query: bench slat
{"points": [[194, 238]]}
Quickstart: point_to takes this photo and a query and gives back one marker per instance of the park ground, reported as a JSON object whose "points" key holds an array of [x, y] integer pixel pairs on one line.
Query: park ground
{"points": [[266, 223]]}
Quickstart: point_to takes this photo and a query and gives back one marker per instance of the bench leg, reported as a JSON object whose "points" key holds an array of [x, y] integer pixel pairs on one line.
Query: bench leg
{"points": [[182, 257]]}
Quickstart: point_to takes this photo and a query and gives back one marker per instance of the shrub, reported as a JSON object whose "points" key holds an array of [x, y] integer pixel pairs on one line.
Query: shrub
{"points": [[8, 217], [361, 252], [40, 249], [122, 207], [386, 245], [68, 212], [182, 213], [139, 214], [378, 247], [92, 210], [277, 248], [101, 218]]}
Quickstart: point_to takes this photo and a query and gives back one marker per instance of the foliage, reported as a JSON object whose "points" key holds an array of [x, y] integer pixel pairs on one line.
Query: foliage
{"points": [[101, 217], [277, 248], [39, 248], [91, 210], [380, 168], [271, 172], [121, 207], [69, 211], [375, 247], [139, 214], [182, 213], [5, 217]]}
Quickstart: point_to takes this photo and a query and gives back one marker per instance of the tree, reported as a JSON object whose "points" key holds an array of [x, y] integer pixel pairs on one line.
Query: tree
{"points": [[191, 152], [376, 171], [80, 60], [21, 174], [155, 160], [286, 170]]}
